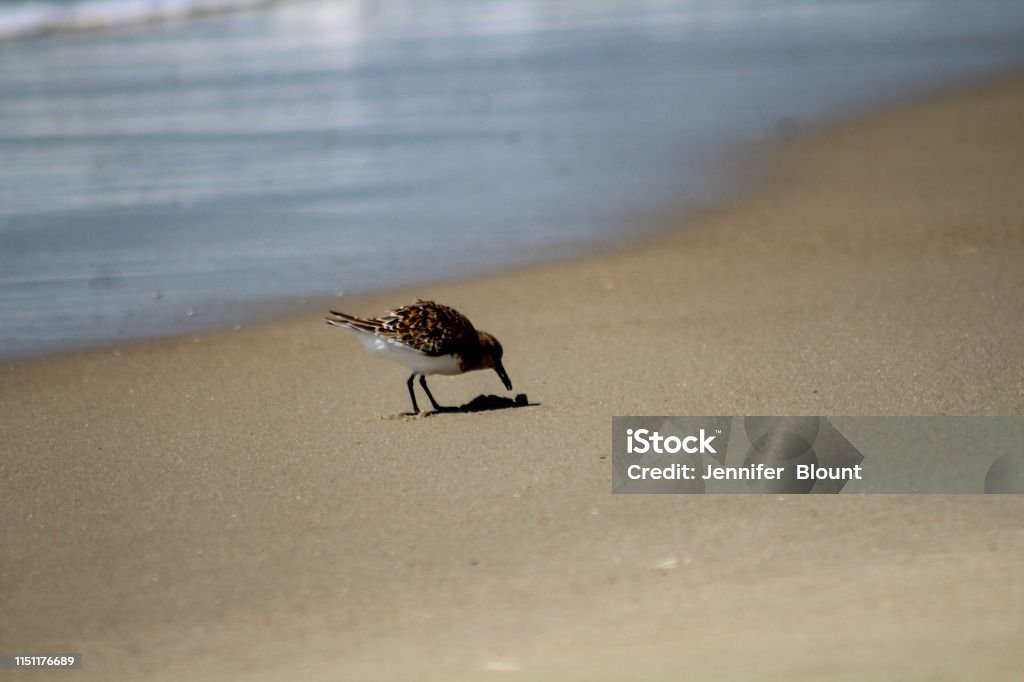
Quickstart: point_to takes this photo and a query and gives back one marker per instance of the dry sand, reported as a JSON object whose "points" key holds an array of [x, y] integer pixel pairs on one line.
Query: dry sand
{"points": [[248, 504]]}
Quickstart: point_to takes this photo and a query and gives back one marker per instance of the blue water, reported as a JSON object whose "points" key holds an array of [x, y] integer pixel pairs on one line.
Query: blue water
{"points": [[160, 178]]}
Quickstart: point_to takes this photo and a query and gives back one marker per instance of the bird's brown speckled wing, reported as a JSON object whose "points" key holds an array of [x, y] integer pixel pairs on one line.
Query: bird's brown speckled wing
{"points": [[428, 327]]}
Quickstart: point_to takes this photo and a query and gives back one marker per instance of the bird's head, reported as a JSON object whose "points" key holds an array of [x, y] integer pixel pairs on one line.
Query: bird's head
{"points": [[490, 357]]}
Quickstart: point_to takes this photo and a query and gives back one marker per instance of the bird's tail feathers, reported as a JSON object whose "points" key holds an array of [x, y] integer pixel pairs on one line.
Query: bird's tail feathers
{"points": [[351, 322]]}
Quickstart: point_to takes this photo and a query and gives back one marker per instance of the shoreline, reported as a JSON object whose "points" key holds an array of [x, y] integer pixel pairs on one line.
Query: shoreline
{"points": [[640, 232], [222, 505]]}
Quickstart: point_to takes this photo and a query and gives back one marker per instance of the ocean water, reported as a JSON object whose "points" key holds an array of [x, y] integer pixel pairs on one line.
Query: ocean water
{"points": [[169, 165]]}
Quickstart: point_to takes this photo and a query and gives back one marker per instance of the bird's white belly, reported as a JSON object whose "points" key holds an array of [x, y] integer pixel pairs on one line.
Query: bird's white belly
{"points": [[417, 362]]}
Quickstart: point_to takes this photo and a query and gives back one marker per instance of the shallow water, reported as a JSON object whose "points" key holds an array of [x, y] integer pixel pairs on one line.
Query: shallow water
{"points": [[162, 178]]}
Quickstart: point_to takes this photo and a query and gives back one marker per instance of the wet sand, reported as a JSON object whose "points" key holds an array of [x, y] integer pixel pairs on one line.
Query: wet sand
{"points": [[251, 504]]}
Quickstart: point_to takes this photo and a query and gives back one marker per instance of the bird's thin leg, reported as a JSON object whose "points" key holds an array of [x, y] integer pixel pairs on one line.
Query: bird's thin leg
{"points": [[412, 394], [423, 383]]}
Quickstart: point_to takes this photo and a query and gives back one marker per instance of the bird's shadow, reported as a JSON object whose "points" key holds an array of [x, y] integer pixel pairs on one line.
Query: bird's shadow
{"points": [[484, 403]]}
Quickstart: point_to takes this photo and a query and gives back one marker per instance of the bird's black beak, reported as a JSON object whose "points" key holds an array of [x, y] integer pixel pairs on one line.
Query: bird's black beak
{"points": [[504, 377]]}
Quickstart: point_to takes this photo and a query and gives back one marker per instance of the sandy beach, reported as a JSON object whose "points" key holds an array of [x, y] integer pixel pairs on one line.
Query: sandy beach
{"points": [[250, 504]]}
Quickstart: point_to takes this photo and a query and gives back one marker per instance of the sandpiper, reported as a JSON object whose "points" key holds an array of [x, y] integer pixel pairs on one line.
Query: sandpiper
{"points": [[428, 338]]}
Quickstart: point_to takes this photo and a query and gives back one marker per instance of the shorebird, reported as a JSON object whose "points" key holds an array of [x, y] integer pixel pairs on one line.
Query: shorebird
{"points": [[428, 338]]}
